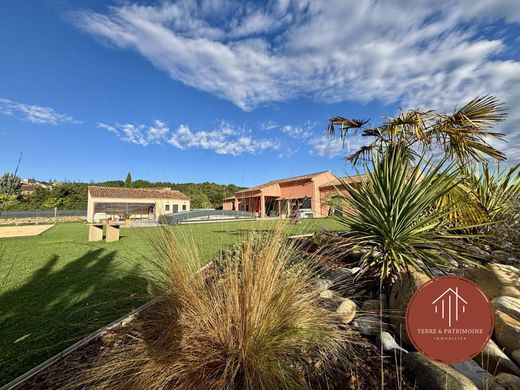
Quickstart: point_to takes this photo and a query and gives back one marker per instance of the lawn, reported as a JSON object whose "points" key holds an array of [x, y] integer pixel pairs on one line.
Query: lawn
{"points": [[57, 287]]}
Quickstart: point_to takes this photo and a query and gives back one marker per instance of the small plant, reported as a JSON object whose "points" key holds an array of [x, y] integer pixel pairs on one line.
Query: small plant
{"points": [[254, 324], [399, 217]]}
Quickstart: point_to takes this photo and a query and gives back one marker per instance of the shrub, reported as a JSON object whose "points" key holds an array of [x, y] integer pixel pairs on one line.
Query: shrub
{"points": [[399, 218], [254, 324]]}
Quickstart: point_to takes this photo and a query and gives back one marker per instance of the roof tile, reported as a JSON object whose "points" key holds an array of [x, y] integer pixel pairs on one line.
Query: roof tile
{"points": [[139, 193]]}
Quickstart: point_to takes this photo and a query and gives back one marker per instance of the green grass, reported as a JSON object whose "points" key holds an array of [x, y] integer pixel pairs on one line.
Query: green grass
{"points": [[57, 287]]}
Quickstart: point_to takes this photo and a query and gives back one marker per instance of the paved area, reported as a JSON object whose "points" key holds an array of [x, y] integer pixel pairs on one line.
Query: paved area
{"points": [[21, 231]]}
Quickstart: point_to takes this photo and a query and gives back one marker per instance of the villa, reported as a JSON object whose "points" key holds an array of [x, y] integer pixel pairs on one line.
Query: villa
{"points": [[305, 195]]}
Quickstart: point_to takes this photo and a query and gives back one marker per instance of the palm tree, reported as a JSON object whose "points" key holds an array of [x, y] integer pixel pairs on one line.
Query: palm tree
{"points": [[460, 136]]}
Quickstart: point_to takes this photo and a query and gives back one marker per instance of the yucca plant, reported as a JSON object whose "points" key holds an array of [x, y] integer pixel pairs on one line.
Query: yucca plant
{"points": [[399, 217], [495, 188], [255, 324]]}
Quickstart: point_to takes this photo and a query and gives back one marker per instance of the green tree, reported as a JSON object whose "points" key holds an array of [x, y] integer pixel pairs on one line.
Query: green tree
{"points": [[199, 200], [10, 184], [128, 180]]}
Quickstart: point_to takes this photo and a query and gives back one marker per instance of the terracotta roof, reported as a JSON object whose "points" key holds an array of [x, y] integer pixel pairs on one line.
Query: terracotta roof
{"points": [[139, 193], [280, 181], [346, 179], [28, 187]]}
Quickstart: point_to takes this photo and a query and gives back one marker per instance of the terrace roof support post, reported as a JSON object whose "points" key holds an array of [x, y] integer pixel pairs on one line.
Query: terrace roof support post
{"points": [[262, 205], [235, 204]]}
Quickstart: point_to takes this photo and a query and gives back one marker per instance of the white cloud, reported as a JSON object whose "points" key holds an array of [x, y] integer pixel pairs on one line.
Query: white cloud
{"points": [[299, 132], [269, 125], [224, 139], [422, 53], [34, 113], [326, 146]]}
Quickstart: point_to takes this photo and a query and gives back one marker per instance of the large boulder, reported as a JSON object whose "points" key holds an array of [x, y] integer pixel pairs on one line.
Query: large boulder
{"points": [[471, 370], [505, 381], [496, 280], [346, 311], [428, 374], [507, 332], [494, 360], [402, 290], [508, 305]]}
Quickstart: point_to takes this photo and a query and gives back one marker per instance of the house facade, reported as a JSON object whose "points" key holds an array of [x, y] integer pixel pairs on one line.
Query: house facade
{"points": [[134, 203], [309, 194], [286, 197]]}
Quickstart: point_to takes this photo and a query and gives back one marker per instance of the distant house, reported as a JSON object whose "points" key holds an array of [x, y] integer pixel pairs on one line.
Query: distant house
{"points": [[29, 186], [27, 189], [134, 203]]}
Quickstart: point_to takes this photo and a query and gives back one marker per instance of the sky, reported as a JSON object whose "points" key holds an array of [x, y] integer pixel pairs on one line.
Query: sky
{"points": [[235, 92]]}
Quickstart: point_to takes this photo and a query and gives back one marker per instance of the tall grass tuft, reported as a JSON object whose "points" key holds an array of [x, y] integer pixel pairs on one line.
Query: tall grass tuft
{"points": [[252, 322]]}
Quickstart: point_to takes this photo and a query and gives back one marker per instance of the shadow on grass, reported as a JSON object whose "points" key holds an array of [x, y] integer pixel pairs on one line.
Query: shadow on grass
{"points": [[58, 305]]}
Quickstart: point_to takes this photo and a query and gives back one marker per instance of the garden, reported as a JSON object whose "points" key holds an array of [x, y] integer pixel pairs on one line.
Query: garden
{"points": [[246, 307]]}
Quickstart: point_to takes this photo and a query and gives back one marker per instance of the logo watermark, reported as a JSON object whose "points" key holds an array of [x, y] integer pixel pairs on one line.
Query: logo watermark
{"points": [[449, 319]]}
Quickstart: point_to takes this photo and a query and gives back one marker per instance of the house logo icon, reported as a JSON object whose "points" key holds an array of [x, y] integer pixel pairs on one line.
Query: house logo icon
{"points": [[449, 319], [450, 305]]}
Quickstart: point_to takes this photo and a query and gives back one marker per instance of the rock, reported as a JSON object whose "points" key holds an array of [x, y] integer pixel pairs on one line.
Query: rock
{"points": [[507, 332], [339, 275], [516, 358], [373, 305], [370, 324], [387, 341], [322, 284], [428, 374], [496, 280], [327, 294], [508, 305], [355, 270], [471, 370], [495, 361], [403, 289], [346, 311], [505, 381], [500, 255]]}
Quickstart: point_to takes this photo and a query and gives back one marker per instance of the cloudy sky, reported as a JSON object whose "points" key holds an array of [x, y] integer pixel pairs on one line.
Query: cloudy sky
{"points": [[235, 92]]}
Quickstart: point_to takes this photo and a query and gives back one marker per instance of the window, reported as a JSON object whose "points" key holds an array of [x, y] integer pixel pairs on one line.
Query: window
{"points": [[184, 207], [167, 207]]}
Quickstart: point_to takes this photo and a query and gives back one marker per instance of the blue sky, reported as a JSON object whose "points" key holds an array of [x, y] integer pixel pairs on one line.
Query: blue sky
{"points": [[234, 92]]}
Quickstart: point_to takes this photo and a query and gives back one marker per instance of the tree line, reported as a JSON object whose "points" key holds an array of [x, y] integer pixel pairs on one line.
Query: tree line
{"points": [[73, 195]]}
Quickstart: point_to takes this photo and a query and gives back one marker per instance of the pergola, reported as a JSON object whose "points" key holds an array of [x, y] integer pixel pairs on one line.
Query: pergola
{"points": [[124, 208]]}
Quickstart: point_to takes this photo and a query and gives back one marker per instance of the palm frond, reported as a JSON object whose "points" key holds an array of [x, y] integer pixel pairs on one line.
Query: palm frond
{"points": [[462, 136]]}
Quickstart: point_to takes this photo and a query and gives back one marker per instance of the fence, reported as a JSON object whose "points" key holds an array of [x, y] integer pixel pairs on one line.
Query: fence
{"points": [[12, 214]]}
